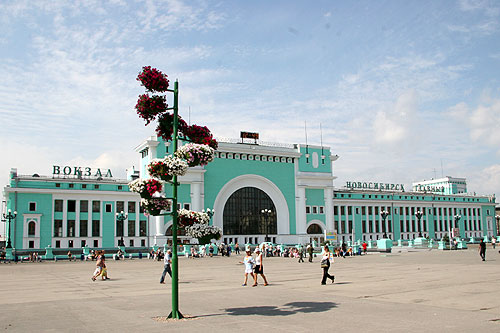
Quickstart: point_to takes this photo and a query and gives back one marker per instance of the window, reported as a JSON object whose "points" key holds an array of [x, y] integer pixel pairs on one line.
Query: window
{"points": [[84, 206], [58, 184], [71, 185], [70, 230], [143, 242], [58, 244], [31, 244], [321, 210], [96, 228], [187, 206], [349, 210], [315, 209], [83, 228], [308, 209], [96, 206], [109, 208], [70, 243], [72, 206], [96, 243], [142, 228], [58, 205], [96, 187], [131, 228], [120, 187], [31, 228], [131, 206], [335, 210], [57, 228], [119, 228], [120, 206], [32, 206], [84, 185], [83, 243], [131, 243]]}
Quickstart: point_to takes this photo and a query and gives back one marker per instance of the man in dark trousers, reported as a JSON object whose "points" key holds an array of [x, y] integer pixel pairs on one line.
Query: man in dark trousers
{"points": [[482, 249], [167, 260], [310, 250]]}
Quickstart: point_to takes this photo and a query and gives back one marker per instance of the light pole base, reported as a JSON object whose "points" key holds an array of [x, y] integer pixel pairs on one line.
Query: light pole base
{"points": [[8, 254], [175, 315]]}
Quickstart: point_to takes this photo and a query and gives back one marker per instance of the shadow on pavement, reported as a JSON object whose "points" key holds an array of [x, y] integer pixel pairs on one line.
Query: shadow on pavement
{"points": [[285, 310]]}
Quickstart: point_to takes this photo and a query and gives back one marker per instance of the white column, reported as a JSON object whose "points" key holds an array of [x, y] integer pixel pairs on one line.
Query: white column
{"points": [[65, 220], [301, 211], [329, 209], [196, 202], [159, 225]]}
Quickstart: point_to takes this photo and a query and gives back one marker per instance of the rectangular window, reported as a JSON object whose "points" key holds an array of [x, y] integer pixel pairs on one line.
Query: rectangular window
{"points": [[142, 228], [71, 185], [119, 228], [83, 228], [120, 206], [71, 206], [96, 187], [369, 210], [96, 206], [84, 206], [84, 185], [96, 243], [109, 208], [376, 211], [96, 228], [70, 243], [143, 242], [321, 210], [308, 209], [131, 243], [58, 205], [315, 209], [32, 206], [83, 243], [342, 210], [31, 244], [58, 184], [187, 206], [70, 230], [364, 226], [335, 210], [58, 244], [120, 187], [131, 228], [131, 206], [363, 210], [349, 210], [57, 228]]}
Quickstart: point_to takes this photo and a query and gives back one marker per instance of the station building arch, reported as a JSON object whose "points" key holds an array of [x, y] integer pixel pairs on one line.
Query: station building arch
{"points": [[261, 183]]}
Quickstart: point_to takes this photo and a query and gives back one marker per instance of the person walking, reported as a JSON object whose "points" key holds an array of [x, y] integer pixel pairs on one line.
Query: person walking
{"points": [[310, 251], [249, 262], [167, 260], [482, 249], [493, 241], [98, 268], [365, 245], [259, 267], [237, 248], [301, 254], [326, 257]]}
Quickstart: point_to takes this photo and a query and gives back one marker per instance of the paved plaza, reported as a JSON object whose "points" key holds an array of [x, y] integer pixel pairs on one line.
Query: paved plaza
{"points": [[398, 292]]}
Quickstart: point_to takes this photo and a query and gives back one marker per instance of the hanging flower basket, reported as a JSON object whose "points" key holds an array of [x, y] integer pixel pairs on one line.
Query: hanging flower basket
{"points": [[201, 135], [165, 127], [204, 232], [145, 187], [196, 154], [167, 168], [154, 206], [187, 217], [148, 107], [153, 79]]}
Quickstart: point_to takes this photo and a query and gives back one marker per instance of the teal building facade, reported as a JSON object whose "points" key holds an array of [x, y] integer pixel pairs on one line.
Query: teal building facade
{"points": [[76, 206]]}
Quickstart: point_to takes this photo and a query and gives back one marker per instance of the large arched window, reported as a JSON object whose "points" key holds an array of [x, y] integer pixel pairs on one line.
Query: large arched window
{"points": [[314, 229], [243, 213], [31, 228]]}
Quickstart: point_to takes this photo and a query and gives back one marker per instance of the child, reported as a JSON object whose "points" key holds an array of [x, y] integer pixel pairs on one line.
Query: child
{"points": [[98, 268]]}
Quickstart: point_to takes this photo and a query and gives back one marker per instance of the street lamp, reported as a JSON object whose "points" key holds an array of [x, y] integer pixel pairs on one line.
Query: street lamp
{"points": [[9, 218], [384, 215], [120, 217], [267, 215], [209, 212], [418, 215]]}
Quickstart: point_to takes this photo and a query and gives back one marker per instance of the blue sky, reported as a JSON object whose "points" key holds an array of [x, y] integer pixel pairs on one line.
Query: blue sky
{"points": [[399, 87]]}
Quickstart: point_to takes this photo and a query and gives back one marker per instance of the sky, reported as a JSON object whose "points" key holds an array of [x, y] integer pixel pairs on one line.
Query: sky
{"points": [[403, 90]]}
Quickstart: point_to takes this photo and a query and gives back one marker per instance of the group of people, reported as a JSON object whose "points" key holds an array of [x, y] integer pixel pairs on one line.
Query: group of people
{"points": [[100, 269]]}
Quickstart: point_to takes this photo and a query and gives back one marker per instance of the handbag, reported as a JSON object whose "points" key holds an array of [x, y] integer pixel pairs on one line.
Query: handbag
{"points": [[324, 263]]}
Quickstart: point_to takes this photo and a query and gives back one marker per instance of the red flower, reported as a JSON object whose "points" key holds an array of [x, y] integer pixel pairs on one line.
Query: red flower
{"points": [[148, 107], [152, 79]]}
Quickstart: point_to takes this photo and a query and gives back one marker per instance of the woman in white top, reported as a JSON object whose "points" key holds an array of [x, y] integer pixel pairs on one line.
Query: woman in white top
{"points": [[259, 267], [326, 257], [249, 263]]}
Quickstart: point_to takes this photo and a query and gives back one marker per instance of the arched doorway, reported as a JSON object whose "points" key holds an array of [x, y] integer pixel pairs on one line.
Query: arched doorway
{"points": [[316, 233], [243, 213]]}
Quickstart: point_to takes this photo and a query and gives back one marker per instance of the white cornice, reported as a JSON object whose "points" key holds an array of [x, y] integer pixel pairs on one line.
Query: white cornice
{"points": [[152, 141], [257, 150]]}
